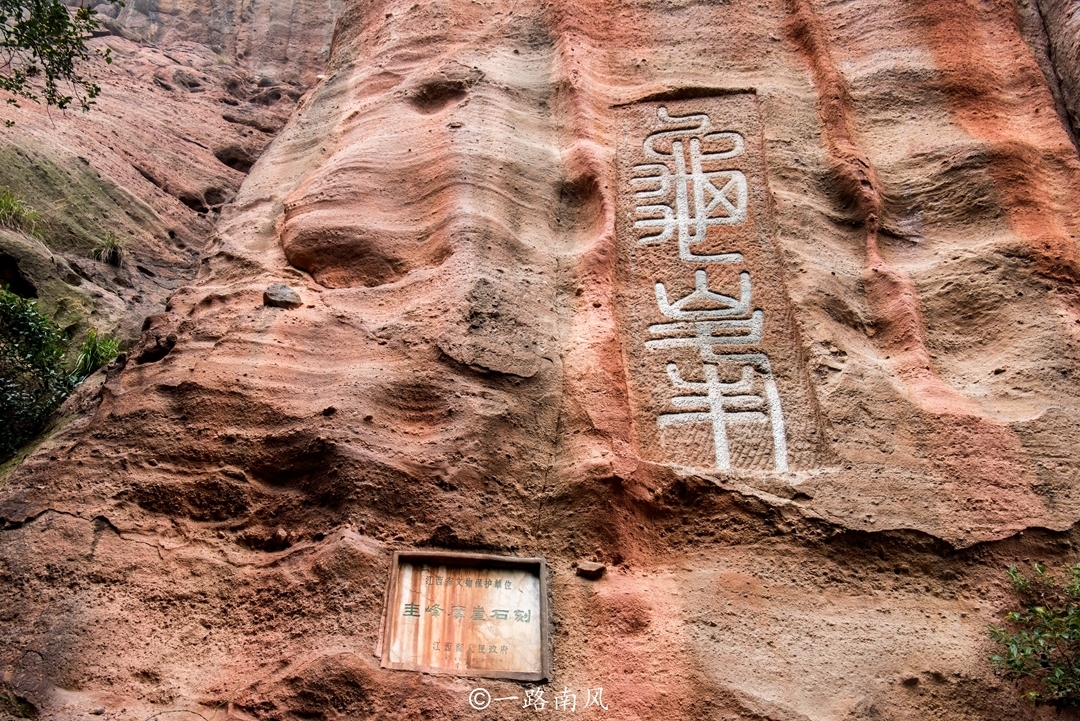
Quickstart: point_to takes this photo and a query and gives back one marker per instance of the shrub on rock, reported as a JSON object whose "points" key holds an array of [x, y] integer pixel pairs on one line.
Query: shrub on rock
{"points": [[1042, 640], [33, 380], [34, 375]]}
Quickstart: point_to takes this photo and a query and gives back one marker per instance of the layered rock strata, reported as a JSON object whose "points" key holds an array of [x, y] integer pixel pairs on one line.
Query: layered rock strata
{"points": [[463, 207]]}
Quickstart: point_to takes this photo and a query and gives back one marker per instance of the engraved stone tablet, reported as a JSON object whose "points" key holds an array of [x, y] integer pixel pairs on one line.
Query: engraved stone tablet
{"points": [[714, 368], [467, 614]]}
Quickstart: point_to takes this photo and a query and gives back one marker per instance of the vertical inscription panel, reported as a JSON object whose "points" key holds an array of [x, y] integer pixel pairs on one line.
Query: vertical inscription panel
{"points": [[711, 352], [466, 614]]}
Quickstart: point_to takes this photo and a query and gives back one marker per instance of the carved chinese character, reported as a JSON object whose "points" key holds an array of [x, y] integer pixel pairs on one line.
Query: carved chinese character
{"points": [[721, 404], [706, 319], [697, 195]]}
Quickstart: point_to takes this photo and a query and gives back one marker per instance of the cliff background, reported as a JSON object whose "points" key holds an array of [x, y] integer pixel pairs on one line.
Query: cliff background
{"points": [[209, 521]]}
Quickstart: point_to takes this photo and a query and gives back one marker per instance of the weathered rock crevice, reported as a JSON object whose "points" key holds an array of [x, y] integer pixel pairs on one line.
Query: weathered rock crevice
{"points": [[896, 323], [1060, 26]]}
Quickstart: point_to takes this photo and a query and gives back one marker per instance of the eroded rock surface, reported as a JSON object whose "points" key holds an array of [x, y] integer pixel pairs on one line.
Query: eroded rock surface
{"points": [[448, 203], [1061, 23]]}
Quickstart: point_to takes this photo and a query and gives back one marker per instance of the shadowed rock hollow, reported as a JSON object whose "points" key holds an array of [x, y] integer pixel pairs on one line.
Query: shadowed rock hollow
{"points": [[468, 369]]}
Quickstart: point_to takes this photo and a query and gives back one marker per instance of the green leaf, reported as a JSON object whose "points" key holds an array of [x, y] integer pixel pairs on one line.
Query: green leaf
{"points": [[42, 46]]}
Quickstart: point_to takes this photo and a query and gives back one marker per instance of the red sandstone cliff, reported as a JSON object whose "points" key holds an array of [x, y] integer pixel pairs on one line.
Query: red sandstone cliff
{"points": [[469, 366]]}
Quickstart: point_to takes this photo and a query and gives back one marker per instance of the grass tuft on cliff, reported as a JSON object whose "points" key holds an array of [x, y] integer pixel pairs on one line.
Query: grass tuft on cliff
{"points": [[16, 706], [95, 351], [1041, 640], [111, 249], [17, 215]]}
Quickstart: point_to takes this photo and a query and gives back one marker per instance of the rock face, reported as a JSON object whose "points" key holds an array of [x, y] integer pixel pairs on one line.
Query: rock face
{"points": [[549, 254], [1061, 23], [166, 146], [278, 41]]}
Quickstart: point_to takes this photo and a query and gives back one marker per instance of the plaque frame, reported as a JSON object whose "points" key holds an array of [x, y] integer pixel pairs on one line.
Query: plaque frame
{"points": [[471, 560]]}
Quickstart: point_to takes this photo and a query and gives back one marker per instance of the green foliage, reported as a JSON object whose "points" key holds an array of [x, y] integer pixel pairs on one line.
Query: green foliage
{"points": [[111, 249], [1042, 641], [95, 352], [42, 42], [33, 381], [17, 215]]}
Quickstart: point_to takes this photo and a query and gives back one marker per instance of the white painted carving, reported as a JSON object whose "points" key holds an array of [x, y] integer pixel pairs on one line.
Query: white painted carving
{"points": [[689, 183], [706, 335], [728, 306], [727, 325], [720, 404], [696, 198], [709, 327]]}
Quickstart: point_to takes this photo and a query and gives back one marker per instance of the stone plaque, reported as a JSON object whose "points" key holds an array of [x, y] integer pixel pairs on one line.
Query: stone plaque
{"points": [[714, 368], [467, 614]]}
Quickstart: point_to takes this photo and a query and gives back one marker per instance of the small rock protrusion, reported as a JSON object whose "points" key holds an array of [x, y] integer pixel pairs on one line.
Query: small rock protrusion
{"points": [[99, 711], [279, 295], [590, 570], [279, 540]]}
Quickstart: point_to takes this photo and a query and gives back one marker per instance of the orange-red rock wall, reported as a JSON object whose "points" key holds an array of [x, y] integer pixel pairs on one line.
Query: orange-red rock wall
{"points": [[468, 369]]}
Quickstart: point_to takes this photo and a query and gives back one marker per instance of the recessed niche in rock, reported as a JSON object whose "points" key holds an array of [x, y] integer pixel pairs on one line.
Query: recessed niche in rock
{"points": [[712, 356], [467, 614]]}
